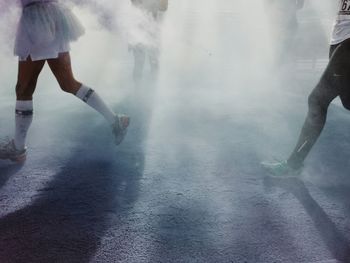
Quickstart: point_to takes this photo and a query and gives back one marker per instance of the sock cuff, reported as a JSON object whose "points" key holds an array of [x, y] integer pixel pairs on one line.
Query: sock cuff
{"points": [[24, 105], [24, 108], [84, 93], [24, 113]]}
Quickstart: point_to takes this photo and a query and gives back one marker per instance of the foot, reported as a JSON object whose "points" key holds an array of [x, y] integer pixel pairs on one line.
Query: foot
{"points": [[119, 128], [8, 151], [280, 169]]}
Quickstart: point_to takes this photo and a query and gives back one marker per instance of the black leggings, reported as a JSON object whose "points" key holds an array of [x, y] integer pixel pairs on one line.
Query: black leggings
{"points": [[334, 82]]}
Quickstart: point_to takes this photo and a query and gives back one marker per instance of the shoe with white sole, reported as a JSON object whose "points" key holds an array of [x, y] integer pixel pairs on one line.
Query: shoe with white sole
{"points": [[119, 128], [281, 169], [8, 151]]}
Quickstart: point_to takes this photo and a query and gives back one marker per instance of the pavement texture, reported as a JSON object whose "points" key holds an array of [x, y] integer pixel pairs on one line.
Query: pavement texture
{"points": [[186, 184], [181, 188]]}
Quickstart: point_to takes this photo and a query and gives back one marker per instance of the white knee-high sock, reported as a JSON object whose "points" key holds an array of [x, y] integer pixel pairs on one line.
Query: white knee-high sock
{"points": [[91, 98], [23, 120]]}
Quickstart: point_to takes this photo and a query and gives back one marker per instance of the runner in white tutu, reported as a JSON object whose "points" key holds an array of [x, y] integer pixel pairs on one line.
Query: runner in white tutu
{"points": [[45, 30]]}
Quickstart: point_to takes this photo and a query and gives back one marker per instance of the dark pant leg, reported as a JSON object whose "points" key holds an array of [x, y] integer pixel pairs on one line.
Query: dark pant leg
{"points": [[334, 82], [342, 73]]}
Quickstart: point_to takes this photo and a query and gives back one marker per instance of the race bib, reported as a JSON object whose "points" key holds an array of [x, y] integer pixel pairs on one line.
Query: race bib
{"points": [[344, 8], [341, 27]]}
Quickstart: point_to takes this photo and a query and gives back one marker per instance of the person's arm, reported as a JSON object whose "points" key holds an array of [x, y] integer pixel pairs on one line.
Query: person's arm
{"points": [[300, 4]]}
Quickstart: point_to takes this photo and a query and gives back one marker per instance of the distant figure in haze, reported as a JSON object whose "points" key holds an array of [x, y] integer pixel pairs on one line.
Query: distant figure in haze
{"points": [[334, 82], [44, 33], [154, 10], [282, 15]]}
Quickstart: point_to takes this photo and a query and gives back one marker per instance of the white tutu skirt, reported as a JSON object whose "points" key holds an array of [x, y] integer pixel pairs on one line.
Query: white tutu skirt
{"points": [[45, 29]]}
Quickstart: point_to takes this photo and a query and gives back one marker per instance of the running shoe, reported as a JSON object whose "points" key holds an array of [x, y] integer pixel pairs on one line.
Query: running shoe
{"points": [[280, 169], [119, 128], [8, 151]]}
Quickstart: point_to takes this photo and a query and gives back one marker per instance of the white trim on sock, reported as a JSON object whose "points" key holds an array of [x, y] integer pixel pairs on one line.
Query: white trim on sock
{"points": [[24, 105], [23, 120], [90, 97]]}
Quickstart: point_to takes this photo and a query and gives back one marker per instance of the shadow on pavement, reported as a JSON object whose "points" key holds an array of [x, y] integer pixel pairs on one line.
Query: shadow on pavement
{"points": [[8, 170], [69, 217], [181, 236], [336, 242]]}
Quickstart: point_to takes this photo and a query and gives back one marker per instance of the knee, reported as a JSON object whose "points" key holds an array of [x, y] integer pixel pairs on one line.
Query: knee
{"points": [[346, 105], [344, 92], [66, 87], [313, 100], [345, 99], [317, 107], [70, 86]]}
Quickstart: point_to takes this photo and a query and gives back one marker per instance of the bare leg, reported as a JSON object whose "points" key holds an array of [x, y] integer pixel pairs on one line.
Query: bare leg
{"points": [[28, 73], [62, 69]]}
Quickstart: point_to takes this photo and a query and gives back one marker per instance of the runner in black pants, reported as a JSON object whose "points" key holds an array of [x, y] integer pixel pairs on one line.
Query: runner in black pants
{"points": [[334, 82]]}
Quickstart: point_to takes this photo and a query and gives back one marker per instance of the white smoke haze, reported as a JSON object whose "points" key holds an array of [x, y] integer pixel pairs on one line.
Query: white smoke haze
{"points": [[133, 24], [224, 99], [9, 16], [216, 63]]}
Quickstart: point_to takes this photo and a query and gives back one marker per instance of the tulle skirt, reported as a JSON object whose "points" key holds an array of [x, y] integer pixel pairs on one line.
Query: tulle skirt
{"points": [[45, 29]]}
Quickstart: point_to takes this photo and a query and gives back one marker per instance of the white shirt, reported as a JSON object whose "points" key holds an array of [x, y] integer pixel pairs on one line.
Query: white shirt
{"points": [[341, 27]]}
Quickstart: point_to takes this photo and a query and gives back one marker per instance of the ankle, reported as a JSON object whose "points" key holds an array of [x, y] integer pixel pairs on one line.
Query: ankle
{"points": [[294, 164], [18, 147]]}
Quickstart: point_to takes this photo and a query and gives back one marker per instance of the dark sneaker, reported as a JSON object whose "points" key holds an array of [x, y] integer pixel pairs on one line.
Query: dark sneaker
{"points": [[280, 169], [8, 151], [119, 128]]}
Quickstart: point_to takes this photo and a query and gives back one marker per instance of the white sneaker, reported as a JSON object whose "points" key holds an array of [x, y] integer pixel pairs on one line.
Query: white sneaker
{"points": [[119, 128], [8, 151], [281, 169]]}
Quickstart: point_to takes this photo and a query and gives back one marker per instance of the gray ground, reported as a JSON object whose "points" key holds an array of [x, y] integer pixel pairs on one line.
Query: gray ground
{"points": [[193, 194], [186, 184]]}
